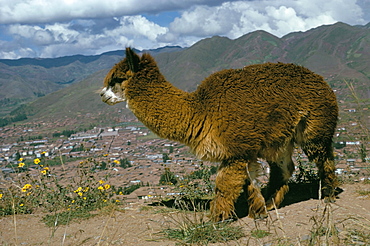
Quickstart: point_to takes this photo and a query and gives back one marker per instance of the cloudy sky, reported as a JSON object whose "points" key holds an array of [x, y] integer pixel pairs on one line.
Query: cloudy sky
{"points": [[53, 28]]}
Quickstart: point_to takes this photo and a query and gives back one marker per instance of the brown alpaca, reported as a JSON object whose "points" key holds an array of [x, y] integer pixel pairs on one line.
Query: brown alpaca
{"points": [[234, 117]]}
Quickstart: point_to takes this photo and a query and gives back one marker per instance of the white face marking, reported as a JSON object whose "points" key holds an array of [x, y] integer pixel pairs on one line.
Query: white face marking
{"points": [[109, 97]]}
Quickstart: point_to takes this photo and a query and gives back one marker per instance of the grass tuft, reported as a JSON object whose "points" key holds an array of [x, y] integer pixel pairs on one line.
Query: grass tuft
{"points": [[204, 233], [258, 233]]}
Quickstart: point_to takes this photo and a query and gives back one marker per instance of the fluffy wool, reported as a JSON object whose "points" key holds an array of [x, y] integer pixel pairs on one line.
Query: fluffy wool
{"points": [[234, 117]]}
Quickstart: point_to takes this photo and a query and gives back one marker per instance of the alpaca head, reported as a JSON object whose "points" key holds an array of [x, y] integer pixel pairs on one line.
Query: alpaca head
{"points": [[114, 83]]}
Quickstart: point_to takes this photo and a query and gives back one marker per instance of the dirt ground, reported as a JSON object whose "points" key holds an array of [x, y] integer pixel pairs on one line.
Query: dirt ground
{"points": [[140, 226]]}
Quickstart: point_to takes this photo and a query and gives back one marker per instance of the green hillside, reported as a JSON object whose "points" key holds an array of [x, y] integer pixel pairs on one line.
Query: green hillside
{"points": [[79, 101], [23, 81], [338, 52], [26, 79]]}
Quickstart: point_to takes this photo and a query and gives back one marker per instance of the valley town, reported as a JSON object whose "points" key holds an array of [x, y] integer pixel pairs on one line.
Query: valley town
{"points": [[130, 154]]}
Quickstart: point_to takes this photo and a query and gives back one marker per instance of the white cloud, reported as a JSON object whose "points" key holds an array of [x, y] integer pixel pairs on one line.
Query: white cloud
{"points": [[62, 34], [138, 26], [135, 31], [14, 51], [76, 37], [56, 33], [42, 11], [233, 19]]}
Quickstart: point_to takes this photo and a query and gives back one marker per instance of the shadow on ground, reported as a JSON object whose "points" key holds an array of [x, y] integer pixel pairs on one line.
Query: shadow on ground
{"points": [[298, 192]]}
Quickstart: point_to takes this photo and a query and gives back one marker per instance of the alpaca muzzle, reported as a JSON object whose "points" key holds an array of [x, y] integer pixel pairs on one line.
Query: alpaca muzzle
{"points": [[109, 97]]}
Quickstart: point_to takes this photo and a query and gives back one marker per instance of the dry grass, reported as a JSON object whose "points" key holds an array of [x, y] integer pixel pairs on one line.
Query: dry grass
{"points": [[324, 224]]}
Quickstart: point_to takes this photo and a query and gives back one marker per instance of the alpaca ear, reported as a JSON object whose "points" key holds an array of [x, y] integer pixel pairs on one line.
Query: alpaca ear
{"points": [[132, 60]]}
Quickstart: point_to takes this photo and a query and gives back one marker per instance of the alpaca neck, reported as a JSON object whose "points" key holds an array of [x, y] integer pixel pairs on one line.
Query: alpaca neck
{"points": [[163, 108]]}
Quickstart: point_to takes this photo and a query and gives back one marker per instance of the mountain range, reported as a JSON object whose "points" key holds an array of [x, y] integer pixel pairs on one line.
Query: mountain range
{"points": [[67, 86]]}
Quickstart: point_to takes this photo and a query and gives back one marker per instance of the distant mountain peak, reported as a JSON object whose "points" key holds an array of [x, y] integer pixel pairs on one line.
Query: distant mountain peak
{"points": [[338, 52]]}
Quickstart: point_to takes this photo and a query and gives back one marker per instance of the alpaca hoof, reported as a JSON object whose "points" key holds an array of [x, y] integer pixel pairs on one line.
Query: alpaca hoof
{"points": [[330, 198], [330, 194], [270, 205], [260, 216], [222, 216]]}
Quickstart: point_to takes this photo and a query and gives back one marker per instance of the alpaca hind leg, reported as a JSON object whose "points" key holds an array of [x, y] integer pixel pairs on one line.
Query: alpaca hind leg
{"points": [[280, 173], [323, 156], [314, 135], [231, 177]]}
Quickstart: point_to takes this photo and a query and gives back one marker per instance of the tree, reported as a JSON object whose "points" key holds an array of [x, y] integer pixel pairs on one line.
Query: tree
{"points": [[103, 166], [171, 149], [165, 157], [363, 152], [167, 177], [17, 155], [125, 163]]}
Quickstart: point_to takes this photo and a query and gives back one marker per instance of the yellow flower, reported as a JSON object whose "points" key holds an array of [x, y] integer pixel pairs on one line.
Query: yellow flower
{"points": [[100, 188], [86, 189], [29, 193], [104, 200], [27, 186], [44, 172], [73, 201], [1, 196], [46, 168], [105, 155], [101, 182], [106, 186], [20, 159], [117, 162], [80, 193], [43, 152], [21, 164], [36, 161], [78, 189], [21, 205], [84, 197], [120, 193], [117, 201]]}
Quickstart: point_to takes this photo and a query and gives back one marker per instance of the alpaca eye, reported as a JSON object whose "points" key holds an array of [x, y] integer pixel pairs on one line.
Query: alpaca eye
{"points": [[115, 81]]}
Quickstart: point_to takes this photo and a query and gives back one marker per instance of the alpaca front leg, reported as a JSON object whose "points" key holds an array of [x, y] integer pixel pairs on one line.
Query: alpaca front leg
{"points": [[231, 177], [256, 202]]}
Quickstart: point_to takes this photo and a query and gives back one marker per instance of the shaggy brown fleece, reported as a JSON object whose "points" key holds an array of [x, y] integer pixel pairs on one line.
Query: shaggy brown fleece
{"points": [[234, 117]]}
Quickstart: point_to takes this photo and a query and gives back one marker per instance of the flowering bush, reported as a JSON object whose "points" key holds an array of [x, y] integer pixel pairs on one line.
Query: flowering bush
{"points": [[45, 191]]}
